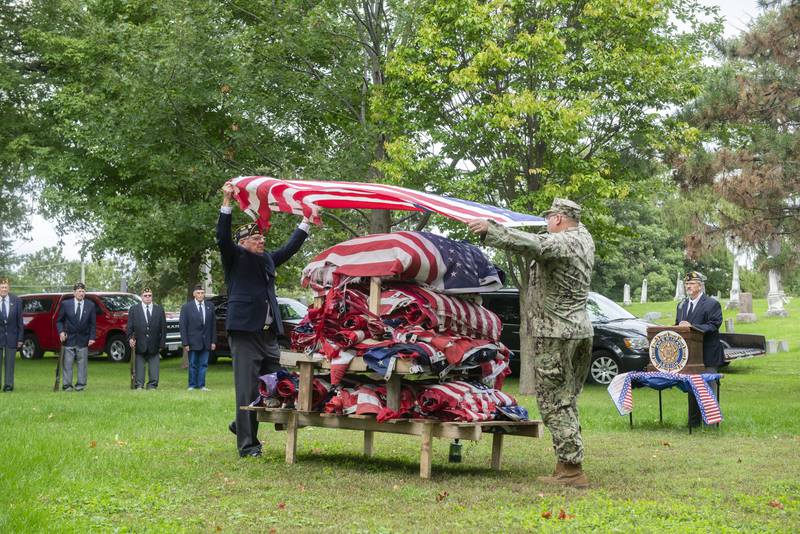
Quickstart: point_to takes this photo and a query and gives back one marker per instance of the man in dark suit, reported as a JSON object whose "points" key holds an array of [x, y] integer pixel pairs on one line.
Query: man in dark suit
{"points": [[704, 314], [147, 334], [253, 318], [11, 332], [76, 330], [198, 336]]}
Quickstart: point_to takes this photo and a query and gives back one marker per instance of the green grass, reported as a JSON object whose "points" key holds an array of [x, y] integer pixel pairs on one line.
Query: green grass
{"points": [[113, 460]]}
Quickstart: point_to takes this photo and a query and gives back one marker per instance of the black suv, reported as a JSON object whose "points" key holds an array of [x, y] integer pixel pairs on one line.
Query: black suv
{"points": [[620, 339]]}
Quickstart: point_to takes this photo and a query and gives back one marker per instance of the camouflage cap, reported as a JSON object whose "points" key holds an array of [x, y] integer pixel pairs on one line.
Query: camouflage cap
{"points": [[246, 230], [694, 276], [564, 207]]}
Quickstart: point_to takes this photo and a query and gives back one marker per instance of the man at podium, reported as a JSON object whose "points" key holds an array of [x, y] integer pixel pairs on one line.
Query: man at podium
{"points": [[705, 314]]}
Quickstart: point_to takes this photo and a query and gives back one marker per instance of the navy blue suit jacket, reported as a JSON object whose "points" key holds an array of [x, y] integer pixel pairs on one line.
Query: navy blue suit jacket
{"points": [[251, 279], [11, 328], [706, 317], [78, 332], [194, 332]]}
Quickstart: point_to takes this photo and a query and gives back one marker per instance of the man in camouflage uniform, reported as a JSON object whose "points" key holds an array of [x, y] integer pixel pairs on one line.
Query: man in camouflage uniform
{"points": [[559, 277]]}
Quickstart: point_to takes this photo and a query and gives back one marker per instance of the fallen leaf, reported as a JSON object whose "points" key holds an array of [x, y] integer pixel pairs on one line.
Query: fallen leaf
{"points": [[547, 514], [395, 487], [301, 488], [273, 531], [441, 496], [540, 495], [49, 417], [225, 88], [281, 505], [92, 444], [739, 461], [666, 443], [562, 514], [219, 529], [776, 504]]}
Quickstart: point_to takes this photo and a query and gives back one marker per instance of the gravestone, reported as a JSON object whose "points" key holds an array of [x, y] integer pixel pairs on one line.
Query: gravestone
{"points": [[733, 303], [745, 314], [783, 346], [729, 325], [626, 295], [652, 316], [776, 296], [772, 346], [680, 291], [644, 291]]}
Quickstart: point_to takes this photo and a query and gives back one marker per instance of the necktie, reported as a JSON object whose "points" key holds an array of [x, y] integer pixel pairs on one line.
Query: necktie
{"points": [[689, 311], [200, 309], [5, 308], [148, 314], [78, 313]]}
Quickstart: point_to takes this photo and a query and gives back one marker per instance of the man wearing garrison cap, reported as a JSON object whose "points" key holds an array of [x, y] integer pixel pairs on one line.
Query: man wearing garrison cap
{"points": [[76, 329], [560, 274], [705, 314], [253, 318]]}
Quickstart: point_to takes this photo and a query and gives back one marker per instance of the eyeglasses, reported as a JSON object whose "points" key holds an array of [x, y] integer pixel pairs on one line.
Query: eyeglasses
{"points": [[256, 238]]}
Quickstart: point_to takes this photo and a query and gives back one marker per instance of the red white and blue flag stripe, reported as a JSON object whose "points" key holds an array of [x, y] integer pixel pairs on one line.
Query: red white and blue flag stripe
{"points": [[259, 196], [621, 385]]}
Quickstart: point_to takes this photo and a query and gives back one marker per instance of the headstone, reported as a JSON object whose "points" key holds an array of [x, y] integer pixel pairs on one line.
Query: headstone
{"points": [[772, 346], [775, 296], [626, 295], [733, 303], [651, 317], [746, 314], [680, 291], [729, 325], [644, 291], [783, 346]]}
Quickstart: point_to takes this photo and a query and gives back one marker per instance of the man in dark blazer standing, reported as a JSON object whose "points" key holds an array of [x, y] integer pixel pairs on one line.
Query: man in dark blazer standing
{"points": [[704, 314], [253, 317], [147, 334], [198, 336], [76, 329], [11, 332]]}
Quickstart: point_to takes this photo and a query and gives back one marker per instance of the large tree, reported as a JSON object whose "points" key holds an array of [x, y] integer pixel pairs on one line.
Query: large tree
{"points": [[747, 155], [522, 100]]}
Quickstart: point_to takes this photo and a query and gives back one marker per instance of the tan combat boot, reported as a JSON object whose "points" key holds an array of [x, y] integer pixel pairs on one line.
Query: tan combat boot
{"points": [[553, 479], [573, 476]]}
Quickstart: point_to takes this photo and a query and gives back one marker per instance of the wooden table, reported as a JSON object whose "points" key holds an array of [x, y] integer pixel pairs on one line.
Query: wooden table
{"points": [[426, 429]]}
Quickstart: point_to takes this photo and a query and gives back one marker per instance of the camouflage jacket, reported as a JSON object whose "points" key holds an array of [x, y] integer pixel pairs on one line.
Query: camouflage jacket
{"points": [[560, 274]]}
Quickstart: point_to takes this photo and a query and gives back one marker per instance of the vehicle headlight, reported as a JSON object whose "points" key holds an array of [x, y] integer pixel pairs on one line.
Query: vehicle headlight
{"points": [[637, 343]]}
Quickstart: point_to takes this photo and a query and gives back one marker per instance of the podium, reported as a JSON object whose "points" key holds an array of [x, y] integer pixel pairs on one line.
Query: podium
{"points": [[694, 340]]}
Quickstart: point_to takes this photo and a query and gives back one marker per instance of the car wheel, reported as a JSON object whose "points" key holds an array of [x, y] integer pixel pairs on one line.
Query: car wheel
{"points": [[604, 367], [31, 350], [118, 351]]}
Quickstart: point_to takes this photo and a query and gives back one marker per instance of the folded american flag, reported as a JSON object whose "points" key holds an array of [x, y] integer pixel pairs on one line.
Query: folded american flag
{"points": [[261, 195], [440, 263], [621, 385]]}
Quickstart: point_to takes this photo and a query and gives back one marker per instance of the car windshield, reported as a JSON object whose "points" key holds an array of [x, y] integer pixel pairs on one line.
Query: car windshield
{"points": [[604, 310], [117, 303], [292, 309]]}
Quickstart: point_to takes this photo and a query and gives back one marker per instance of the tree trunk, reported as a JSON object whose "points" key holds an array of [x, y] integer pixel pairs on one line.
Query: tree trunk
{"points": [[191, 272], [527, 378]]}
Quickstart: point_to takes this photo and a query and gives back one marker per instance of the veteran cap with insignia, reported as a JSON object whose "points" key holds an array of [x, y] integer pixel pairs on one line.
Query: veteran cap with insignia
{"points": [[694, 276], [78, 285], [564, 207], [246, 230]]}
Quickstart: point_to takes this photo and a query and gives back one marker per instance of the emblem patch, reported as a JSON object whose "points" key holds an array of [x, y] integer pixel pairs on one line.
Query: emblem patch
{"points": [[668, 352]]}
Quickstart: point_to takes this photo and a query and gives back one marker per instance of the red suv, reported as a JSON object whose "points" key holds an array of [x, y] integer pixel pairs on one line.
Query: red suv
{"points": [[40, 311]]}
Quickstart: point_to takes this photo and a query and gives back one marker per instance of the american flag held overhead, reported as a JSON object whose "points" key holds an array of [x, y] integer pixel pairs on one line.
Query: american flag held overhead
{"points": [[259, 196]]}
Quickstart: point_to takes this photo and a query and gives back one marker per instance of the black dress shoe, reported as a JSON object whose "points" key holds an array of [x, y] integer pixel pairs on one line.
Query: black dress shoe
{"points": [[8, 388], [252, 454], [232, 427]]}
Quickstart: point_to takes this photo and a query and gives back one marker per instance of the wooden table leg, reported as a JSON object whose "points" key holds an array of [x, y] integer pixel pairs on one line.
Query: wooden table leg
{"points": [[425, 451], [393, 392], [497, 450], [291, 438], [369, 440]]}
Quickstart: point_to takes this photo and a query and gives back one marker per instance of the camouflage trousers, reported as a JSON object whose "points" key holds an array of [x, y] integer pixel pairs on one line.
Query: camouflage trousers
{"points": [[560, 368]]}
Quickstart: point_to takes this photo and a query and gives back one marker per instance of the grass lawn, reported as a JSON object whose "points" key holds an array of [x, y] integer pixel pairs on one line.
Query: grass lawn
{"points": [[113, 460]]}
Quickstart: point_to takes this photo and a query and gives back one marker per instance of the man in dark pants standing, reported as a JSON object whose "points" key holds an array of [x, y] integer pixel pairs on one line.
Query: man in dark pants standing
{"points": [[76, 326], [198, 336], [11, 332], [253, 318], [147, 334], [705, 314]]}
